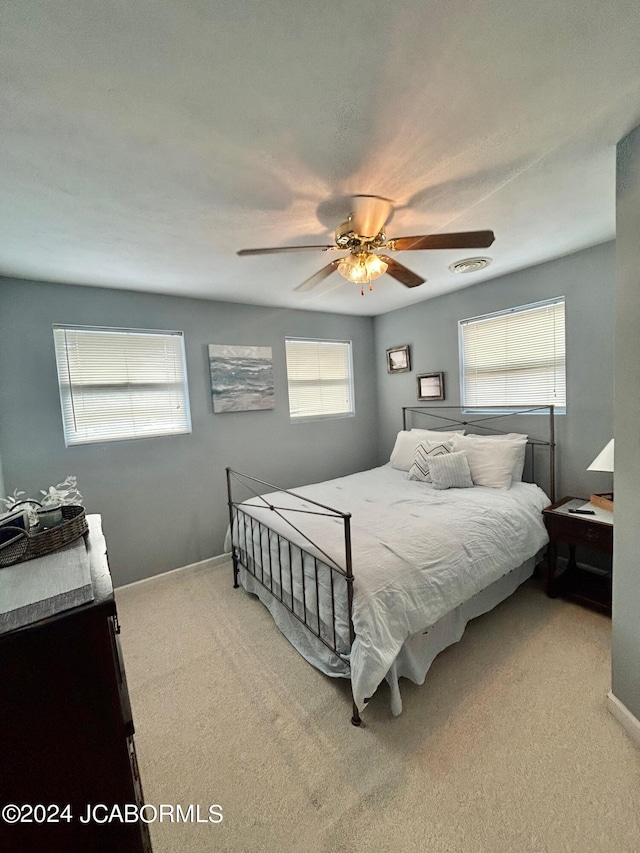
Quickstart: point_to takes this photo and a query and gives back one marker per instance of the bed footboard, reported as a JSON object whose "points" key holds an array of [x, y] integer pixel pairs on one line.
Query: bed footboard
{"points": [[312, 586]]}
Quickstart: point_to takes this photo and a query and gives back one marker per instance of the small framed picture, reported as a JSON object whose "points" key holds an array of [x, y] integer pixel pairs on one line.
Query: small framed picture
{"points": [[430, 386], [398, 359]]}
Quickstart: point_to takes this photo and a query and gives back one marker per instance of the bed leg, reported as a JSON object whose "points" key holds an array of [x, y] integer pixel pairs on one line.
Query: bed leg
{"points": [[355, 717], [236, 571]]}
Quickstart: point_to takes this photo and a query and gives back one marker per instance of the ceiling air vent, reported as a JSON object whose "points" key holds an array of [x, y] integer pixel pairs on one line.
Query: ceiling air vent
{"points": [[470, 265]]}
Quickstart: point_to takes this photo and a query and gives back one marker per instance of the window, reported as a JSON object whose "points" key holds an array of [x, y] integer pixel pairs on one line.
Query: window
{"points": [[514, 358], [320, 378], [121, 383]]}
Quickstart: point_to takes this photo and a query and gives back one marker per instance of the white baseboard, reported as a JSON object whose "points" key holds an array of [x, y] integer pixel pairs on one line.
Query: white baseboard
{"points": [[624, 716], [209, 563]]}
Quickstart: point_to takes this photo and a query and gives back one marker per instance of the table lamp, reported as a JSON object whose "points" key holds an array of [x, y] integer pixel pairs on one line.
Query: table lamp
{"points": [[603, 462]]}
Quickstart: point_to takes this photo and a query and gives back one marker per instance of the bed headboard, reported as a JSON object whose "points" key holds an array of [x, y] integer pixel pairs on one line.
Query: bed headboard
{"points": [[484, 423]]}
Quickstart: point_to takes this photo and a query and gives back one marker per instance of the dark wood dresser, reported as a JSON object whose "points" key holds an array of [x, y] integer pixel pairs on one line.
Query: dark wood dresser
{"points": [[66, 728]]}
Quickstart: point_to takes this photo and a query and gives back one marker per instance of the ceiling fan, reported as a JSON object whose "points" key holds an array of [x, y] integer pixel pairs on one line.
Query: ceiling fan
{"points": [[363, 236]]}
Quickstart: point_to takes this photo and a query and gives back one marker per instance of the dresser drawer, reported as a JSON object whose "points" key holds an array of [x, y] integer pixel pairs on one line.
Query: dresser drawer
{"points": [[123, 691], [137, 785]]}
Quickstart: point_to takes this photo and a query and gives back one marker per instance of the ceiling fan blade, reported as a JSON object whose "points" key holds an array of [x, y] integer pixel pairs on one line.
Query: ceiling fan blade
{"points": [[401, 273], [461, 240], [319, 276], [369, 214], [271, 251]]}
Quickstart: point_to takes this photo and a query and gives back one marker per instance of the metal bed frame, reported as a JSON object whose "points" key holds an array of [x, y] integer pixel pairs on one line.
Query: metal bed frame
{"points": [[251, 558]]}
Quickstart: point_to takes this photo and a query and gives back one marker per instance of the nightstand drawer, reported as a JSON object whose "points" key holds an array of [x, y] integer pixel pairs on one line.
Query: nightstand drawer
{"points": [[597, 534], [578, 531]]}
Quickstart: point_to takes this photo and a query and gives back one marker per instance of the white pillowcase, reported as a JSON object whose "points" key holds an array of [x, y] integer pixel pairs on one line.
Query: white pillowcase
{"points": [[518, 438], [492, 463], [451, 471], [407, 441], [503, 436], [425, 451], [433, 434]]}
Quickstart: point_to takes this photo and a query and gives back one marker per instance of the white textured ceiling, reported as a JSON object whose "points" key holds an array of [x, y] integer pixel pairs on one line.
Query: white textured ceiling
{"points": [[143, 143]]}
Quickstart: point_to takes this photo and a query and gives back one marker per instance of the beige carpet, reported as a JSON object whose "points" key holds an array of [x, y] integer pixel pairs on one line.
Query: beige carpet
{"points": [[508, 745]]}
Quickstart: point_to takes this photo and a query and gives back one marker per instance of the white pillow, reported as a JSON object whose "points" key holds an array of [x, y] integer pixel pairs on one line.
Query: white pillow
{"points": [[451, 471], [491, 462], [518, 438], [406, 443], [424, 452], [435, 434], [509, 436]]}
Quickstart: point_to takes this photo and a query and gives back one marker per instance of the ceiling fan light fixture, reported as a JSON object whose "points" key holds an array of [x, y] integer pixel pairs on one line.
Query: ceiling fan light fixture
{"points": [[363, 236], [362, 267], [470, 265]]}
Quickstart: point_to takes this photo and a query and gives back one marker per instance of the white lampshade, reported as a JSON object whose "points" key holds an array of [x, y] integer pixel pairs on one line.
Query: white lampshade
{"points": [[604, 459]]}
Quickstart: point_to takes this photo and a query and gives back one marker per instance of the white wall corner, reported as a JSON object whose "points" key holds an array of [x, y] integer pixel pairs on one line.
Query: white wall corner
{"points": [[624, 716]]}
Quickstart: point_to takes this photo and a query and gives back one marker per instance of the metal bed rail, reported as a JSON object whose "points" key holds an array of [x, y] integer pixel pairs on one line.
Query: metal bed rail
{"points": [[259, 550]]}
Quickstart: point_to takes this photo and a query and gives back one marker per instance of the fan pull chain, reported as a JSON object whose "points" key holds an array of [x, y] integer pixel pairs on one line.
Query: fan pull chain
{"points": [[362, 288]]}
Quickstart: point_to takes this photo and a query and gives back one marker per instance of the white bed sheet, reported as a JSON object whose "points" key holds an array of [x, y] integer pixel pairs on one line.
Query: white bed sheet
{"points": [[418, 555]]}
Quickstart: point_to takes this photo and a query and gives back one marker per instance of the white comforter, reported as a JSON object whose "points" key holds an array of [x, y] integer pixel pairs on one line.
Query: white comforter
{"points": [[418, 553]]}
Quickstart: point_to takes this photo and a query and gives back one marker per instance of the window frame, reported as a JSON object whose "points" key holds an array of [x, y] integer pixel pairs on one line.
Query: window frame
{"points": [[559, 409], [300, 419], [118, 330]]}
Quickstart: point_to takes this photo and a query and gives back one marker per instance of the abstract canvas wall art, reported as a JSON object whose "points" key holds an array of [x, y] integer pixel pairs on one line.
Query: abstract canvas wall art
{"points": [[241, 378]]}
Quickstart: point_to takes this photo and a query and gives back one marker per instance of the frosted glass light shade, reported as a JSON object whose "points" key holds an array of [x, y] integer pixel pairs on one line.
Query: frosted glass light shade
{"points": [[375, 267], [361, 268], [604, 459]]}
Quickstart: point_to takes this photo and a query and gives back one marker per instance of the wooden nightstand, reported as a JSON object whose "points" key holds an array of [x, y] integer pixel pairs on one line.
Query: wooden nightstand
{"points": [[592, 589]]}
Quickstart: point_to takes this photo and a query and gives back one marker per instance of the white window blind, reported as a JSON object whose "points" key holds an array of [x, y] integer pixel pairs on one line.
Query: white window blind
{"points": [[515, 358], [121, 383], [320, 378]]}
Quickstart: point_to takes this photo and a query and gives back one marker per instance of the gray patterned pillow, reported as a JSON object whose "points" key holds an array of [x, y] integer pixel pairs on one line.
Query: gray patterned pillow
{"points": [[424, 452], [451, 471]]}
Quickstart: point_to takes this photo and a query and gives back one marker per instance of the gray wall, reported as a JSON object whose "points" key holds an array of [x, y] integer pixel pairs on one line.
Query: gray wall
{"points": [[163, 500], [586, 279], [626, 579]]}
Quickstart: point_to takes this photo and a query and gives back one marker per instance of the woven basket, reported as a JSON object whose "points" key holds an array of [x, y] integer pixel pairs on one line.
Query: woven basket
{"points": [[29, 546]]}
